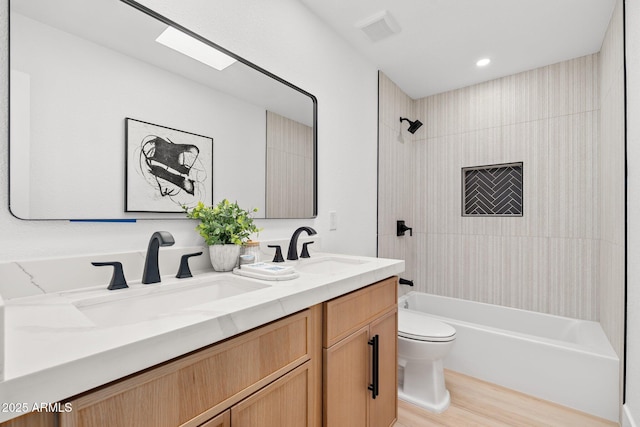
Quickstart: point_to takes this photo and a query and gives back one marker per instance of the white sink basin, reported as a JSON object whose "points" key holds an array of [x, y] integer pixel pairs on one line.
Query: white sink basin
{"points": [[129, 306], [327, 265]]}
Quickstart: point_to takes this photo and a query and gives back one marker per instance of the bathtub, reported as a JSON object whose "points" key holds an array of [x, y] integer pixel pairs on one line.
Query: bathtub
{"points": [[563, 360]]}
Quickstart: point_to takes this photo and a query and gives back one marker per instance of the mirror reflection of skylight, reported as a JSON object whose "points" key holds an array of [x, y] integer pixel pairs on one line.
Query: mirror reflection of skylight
{"points": [[187, 45]]}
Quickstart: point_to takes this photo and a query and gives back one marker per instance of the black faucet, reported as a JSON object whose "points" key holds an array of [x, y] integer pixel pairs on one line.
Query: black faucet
{"points": [[151, 272], [293, 244]]}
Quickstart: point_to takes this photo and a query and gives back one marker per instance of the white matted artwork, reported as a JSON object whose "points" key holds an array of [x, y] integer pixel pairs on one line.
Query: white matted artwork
{"points": [[166, 168]]}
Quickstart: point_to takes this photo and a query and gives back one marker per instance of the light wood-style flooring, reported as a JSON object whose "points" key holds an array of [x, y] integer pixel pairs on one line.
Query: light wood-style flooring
{"points": [[479, 403]]}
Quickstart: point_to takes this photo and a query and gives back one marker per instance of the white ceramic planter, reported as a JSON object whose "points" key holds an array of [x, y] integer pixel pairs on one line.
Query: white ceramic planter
{"points": [[224, 257]]}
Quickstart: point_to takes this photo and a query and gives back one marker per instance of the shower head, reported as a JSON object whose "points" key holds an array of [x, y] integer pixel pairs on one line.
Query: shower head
{"points": [[413, 126]]}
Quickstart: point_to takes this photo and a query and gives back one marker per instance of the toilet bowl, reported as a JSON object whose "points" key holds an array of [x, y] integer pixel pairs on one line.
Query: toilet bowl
{"points": [[422, 344]]}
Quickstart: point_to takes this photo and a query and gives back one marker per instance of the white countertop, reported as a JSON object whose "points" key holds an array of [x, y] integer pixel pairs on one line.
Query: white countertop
{"points": [[53, 351]]}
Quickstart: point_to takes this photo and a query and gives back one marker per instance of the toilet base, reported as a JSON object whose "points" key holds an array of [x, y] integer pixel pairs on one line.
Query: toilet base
{"points": [[422, 383], [436, 408]]}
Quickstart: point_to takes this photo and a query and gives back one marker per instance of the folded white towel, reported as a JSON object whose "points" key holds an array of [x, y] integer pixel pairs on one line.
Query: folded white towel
{"points": [[267, 269]]}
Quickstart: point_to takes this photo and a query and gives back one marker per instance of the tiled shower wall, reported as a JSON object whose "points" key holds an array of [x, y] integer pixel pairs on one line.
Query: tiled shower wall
{"points": [[563, 255], [289, 168], [396, 175], [546, 260], [612, 178]]}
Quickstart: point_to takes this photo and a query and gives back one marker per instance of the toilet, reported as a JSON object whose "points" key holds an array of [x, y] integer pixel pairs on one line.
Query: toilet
{"points": [[422, 344]]}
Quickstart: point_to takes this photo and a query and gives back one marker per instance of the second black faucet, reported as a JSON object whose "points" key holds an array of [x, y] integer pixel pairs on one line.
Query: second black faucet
{"points": [[292, 254]]}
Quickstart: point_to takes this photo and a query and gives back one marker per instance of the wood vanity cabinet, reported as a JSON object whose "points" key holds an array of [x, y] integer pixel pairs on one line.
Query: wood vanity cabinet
{"points": [[259, 378], [360, 357], [312, 368]]}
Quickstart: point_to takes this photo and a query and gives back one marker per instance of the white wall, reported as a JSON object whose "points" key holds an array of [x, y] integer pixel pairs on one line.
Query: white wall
{"points": [[632, 405], [286, 39]]}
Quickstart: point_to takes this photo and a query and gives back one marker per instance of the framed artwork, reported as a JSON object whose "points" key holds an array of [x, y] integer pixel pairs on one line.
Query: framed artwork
{"points": [[166, 168]]}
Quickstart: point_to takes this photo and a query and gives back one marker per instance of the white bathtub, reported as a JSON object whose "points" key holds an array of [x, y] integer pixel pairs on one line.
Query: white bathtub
{"points": [[563, 360]]}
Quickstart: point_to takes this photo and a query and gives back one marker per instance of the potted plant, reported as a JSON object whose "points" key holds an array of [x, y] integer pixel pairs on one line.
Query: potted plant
{"points": [[224, 227]]}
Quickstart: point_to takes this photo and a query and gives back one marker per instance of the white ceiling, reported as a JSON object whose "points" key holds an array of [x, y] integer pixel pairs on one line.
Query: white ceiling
{"points": [[441, 40]]}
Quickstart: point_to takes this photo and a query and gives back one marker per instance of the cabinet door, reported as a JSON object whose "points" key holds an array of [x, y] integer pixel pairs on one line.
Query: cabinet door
{"points": [[286, 402], [383, 409], [346, 381]]}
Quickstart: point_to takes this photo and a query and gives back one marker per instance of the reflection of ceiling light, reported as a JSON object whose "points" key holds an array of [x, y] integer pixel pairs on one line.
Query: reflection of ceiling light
{"points": [[187, 45], [483, 62]]}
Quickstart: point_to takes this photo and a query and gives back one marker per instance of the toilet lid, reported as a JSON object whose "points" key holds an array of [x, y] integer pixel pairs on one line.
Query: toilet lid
{"points": [[417, 326]]}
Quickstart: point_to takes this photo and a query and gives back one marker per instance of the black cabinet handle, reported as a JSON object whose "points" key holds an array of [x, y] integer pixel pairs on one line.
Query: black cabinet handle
{"points": [[375, 368]]}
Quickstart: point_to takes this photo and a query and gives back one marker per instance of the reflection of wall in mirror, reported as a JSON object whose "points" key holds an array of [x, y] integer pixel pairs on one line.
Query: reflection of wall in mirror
{"points": [[289, 168], [80, 94], [20, 182]]}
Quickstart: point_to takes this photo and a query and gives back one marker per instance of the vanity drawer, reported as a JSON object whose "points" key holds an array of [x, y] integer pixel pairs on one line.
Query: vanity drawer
{"points": [[190, 390], [348, 313]]}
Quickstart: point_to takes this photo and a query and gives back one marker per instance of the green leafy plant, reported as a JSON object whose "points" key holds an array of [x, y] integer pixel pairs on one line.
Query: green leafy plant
{"points": [[223, 224]]}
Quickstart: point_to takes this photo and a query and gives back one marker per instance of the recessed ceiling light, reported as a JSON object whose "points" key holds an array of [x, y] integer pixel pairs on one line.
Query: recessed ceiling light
{"points": [[483, 62], [194, 48]]}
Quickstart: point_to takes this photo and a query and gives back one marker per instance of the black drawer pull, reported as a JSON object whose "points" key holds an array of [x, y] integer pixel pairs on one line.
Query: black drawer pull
{"points": [[375, 371]]}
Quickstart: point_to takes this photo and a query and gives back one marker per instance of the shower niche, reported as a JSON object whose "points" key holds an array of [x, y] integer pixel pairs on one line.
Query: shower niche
{"points": [[494, 190]]}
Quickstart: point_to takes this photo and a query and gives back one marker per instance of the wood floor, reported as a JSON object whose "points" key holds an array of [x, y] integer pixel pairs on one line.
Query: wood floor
{"points": [[478, 403]]}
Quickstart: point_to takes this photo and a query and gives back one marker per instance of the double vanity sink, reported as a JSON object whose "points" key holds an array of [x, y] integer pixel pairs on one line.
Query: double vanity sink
{"points": [[60, 344], [141, 303]]}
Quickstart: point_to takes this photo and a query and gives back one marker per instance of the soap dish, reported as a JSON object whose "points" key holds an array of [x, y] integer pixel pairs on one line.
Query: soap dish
{"points": [[254, 275]]}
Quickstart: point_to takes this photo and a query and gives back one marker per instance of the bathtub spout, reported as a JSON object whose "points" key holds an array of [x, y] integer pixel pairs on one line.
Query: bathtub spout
{"points": [[406, 282]]}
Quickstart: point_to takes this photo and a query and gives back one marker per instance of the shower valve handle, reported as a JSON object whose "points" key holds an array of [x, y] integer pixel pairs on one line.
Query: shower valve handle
{"points": [[401, 228]]}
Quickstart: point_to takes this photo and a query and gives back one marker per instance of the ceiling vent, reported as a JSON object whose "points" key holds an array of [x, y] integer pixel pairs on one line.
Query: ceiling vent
{"points": [[379, 26]]}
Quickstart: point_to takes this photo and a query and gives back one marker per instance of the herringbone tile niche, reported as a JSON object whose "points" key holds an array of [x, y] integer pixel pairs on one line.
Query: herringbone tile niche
{"points": [[494, 190]]}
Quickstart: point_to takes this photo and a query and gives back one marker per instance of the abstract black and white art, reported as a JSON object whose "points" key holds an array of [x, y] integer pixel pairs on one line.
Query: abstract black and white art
{"points": [[492, 190], [166, 168]]}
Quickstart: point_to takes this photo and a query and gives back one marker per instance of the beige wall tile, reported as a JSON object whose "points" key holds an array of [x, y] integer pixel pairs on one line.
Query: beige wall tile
{"points": [[446, 113], [573, 278], [485, 106], [525, 273], [525, 96], [574, 86], [612, 201], [396, 175], [573, 175], [612, 298]]}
